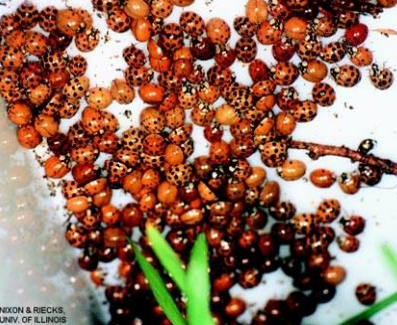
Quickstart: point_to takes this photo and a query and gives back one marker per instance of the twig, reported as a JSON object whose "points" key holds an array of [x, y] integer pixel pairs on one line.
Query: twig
{"points": [[317, 150]]}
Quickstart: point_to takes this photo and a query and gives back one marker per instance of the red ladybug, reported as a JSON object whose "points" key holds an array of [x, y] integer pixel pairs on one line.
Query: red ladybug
{"points": [[356, 34]]}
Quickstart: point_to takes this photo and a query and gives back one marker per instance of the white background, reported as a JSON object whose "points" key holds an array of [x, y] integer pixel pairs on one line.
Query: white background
{"points": [[373, 116]]}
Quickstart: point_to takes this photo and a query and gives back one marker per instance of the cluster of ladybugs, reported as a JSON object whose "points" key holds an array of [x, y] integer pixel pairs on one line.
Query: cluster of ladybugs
{"points": [[220, 194]]}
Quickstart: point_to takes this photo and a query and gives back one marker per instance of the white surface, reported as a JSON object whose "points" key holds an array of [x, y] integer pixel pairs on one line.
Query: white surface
{"points": [[373, 116]]}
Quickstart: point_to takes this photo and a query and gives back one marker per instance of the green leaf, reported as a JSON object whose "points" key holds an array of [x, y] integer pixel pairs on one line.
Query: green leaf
{"points": [[159, 289], [371, 311], [167, 258], [390, 256], [199, 285]]}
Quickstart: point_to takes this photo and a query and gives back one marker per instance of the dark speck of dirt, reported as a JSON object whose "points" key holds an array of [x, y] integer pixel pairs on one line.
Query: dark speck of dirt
{"points": [[127, 113]]}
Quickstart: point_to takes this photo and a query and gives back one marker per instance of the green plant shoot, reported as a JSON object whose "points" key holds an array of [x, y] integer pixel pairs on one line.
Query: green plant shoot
{"points": [[391, 257], [167, 257], [199, 285], [159, 289]]}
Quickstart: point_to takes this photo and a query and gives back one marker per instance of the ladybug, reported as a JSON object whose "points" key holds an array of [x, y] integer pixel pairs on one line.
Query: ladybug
{"points": [[127, 157], [181, 134], [287, 98], [31, 75], [27, 15], [77, 135], [67, 109], [56, 167], [138, 76], [269, 32], [246, 50], [241, 129], [284, 73], [171, 37], [313, 70], [58, 41], [182, 68], [87, 40], [76, 235], [94, 187], [366, 294], [259, 71], [15, 39], [192, 24], [213, 132], [325, 26], [58, 144], [187, 96], [346, 75], [39, 95], [366, 145], [99, 97], [54, 61], [154, 144], [360, 56], [9, 23], [283, 211], [202, 114], [35, 43], [157, 24], [47, 18], [381, 78], [370, 175], [224, 56], [323, 94], [333, 52], [85, 154], [218, 31], [160, 65], [304, 111], [132, 139], [244, 27], [356, 34], [284, 50], [110, 122], [28, 137], [346, 19], [303, 223], [208, 93], [161, 8], [349, 182], [317, 243], [353, 225], [218, 76], [152, 120], [105, 5], [76, 88], [273, 153], [90, 221], [348, 244], [279, 10], [78, 65], [134, 56], [169, 81], [242, 148], [309, 48], [328, 211], [179, 175], [202, 48], [118, 21], [106, 142], [20, 113], [11, 58], [71, 189], [116, 171]]}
